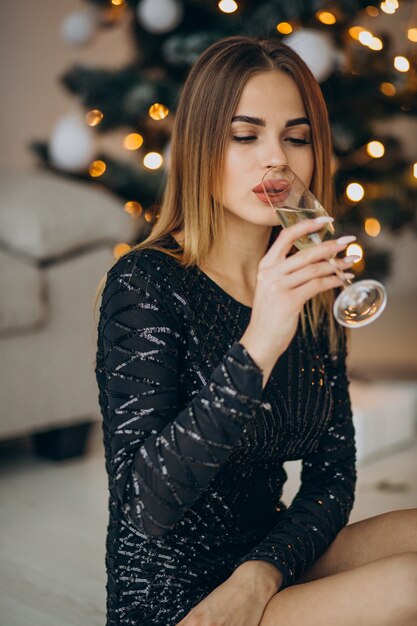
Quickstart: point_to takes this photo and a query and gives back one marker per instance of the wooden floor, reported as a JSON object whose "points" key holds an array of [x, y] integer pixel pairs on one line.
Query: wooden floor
{"points": [[53, 518]]}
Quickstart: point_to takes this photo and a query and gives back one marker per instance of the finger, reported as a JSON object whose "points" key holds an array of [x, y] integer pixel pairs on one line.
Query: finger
{"points": [[317, 285], [316, 253], [310, 272], [288, 236]]}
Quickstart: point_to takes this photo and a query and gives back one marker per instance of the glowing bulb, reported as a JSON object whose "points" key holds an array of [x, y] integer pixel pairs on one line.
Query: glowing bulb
{"points": [[372, 227], [133, 141], [228, 6], [412, 34], [388, 89], [365, 37], [149, 216], [97, 168], [94, 117], [153, 160], [355, 192], [356, 250], [376, 44], [402, 64], [415, 170], [117, 3], [375, 149], [120, 249], [284, 28], [325, 17], [133, 208], [158, 111], [372, 11], [388, 7], [355, 31]]}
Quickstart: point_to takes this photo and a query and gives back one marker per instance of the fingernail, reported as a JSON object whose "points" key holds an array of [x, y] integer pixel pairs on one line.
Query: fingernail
{"points": [[347, 239], [351, 259], [324, 219]]}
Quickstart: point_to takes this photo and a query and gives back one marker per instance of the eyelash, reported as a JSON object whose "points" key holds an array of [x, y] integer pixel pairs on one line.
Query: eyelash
{"points": [[294, 140]]}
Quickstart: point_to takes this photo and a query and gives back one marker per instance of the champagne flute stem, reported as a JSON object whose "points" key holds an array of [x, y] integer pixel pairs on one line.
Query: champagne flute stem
{"points": [[346, 281]]}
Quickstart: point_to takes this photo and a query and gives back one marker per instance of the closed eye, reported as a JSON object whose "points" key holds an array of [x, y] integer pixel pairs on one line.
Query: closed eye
{"points": [[246, 138], [297, 141]]}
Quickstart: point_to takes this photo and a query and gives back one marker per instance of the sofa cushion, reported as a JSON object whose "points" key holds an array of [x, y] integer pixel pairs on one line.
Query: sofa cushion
{"points": [[43, 216], [23, 304]]}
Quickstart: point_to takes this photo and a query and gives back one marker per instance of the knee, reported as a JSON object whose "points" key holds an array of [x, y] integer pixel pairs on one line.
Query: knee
{"points": [[403, 582]]}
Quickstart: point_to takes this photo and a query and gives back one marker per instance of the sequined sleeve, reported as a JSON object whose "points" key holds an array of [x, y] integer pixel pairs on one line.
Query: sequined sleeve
{"points": [[325, 499], [162, 455]]}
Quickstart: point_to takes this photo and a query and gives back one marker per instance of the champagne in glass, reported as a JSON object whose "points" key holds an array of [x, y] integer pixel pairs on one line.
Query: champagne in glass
{"points": [[359, 303]]}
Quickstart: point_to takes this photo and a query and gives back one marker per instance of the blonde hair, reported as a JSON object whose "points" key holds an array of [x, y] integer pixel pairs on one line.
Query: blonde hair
{"points": [[208, 101]]}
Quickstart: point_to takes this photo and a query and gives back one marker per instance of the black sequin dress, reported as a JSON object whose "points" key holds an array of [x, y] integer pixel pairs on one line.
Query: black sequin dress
{"points": [[195, 448]]}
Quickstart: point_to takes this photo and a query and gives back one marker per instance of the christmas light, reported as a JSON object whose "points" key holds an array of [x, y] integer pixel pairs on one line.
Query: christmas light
{"points": [[97, 168], [365, 37], [355, 192], [325, 17], [117, 3], [228, 6], [415, 170], [376, 44], [354, 249], [372, 227], [133, 208], [372, 11], [375, 149], [388, 7], [133, 141], [94, 117], [402, 64], [158, 111], [412, 34], [388, 89], [355, 31], [149, 216], [120, 249], [284, 28], [153, 160]]}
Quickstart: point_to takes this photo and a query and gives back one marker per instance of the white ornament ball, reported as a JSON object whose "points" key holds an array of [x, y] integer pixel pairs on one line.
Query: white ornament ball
{"points": [[159, 16], [71, 146], [79, 27], [316, 49]]}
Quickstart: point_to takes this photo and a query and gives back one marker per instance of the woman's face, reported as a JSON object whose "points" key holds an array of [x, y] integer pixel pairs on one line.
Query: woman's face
{"points": [[269, 128]]}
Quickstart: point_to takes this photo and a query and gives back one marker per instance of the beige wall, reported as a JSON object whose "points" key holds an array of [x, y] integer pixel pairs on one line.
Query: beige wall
{"points": [[33, 56]]}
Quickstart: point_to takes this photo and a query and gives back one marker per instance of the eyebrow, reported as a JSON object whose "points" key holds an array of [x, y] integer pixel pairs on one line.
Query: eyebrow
{"points": [[257, 121]]}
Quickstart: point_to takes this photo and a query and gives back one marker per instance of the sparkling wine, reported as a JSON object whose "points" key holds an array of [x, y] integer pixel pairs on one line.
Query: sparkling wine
{"points": [[289, 215]]}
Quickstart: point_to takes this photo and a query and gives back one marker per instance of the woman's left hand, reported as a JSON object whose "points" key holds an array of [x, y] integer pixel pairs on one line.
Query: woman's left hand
{"points": [[239, 601]]}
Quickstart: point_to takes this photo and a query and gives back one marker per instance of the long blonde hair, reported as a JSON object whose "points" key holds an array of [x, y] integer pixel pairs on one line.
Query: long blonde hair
{"points": [[202, 125]]}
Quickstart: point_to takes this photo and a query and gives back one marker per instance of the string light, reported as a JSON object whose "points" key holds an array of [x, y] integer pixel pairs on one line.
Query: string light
{"points": [[372, 227], [412, 34], [133, 141], [365, 37], [389, 6], [94, 117], [375, 149], [117, 3], [284, 28], [158, 111], [120, 249], [355, 192], [372, 11], [228, 6], [97, 168], [149, 216], [376, 44], [415, 170], [402, 64], [153, 160], [325, 17], [356, 250], [354, 31], [388, 89], [133, 208]]}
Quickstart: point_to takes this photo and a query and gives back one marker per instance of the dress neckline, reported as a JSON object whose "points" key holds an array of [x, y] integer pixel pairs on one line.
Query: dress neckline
{"points": [[213, 283]]}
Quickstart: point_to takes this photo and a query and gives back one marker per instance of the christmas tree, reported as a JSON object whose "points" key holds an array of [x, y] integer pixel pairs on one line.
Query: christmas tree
{"points": [[363, 81]]}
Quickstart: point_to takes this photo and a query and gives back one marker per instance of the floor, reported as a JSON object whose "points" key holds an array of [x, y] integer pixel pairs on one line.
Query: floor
{"points": [[53, 521]]}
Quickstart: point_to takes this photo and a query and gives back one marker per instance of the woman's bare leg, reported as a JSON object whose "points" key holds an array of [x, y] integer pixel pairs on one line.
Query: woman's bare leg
{"points": [[380, 593], [365, 541]]}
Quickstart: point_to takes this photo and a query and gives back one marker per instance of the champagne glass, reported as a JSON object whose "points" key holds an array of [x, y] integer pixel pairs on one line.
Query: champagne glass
{"points": [[359, 303]]}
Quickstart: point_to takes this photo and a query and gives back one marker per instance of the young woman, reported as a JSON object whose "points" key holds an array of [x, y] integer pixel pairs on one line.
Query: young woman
{"points": [[218, 360]]}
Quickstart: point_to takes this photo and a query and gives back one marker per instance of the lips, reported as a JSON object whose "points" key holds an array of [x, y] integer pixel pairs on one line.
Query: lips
{"points": [[275, 190]]}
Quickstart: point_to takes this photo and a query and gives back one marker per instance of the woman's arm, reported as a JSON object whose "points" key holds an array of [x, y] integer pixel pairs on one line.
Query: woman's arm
{"points": [[160, 454], [324, 501]]}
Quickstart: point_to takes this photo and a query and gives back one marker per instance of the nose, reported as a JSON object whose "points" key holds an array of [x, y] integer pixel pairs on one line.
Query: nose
{"points": [[273, 154]]}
